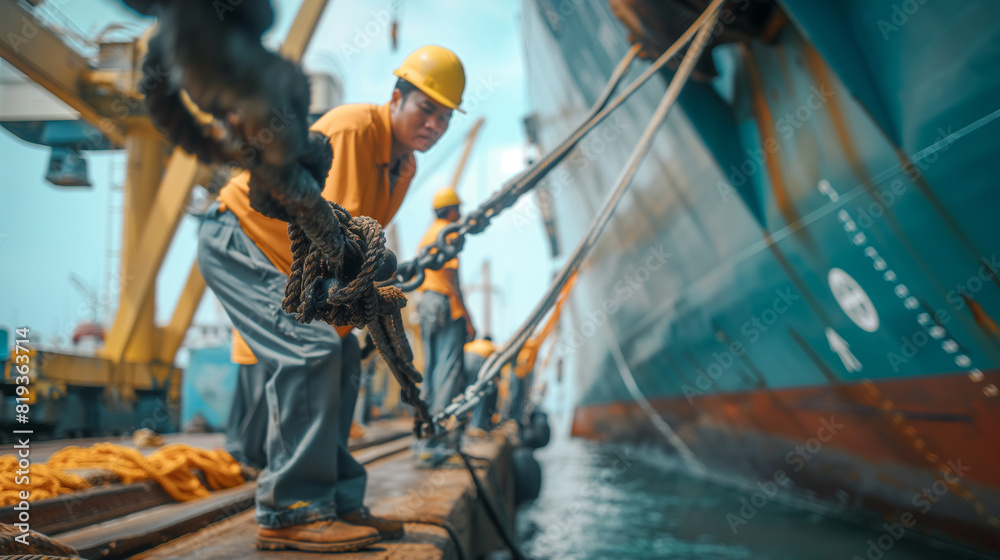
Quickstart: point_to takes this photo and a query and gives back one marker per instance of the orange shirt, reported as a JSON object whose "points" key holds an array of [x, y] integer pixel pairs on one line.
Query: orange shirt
{"points": [[361, 136], [435, 281], [526, 358], [241, 353]]}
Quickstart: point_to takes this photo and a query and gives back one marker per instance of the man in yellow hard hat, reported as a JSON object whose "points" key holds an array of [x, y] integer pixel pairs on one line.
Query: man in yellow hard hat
{"points": [[310, 494], [444, 327]]}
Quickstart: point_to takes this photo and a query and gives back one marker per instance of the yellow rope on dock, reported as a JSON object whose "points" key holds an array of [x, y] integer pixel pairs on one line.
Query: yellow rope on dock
{"points": [[170, 466]]}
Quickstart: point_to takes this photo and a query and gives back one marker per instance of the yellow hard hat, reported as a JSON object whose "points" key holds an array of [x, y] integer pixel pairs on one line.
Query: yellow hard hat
{"points": [[444, 198], [437, 72]]}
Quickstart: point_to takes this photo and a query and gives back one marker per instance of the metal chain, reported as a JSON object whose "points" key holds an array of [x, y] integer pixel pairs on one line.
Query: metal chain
{"points": [[451, 239], [410, 275], [343, 292]]}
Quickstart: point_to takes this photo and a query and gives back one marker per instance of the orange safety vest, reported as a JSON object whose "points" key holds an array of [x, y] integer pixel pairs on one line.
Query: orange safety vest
{"points": [[435, 281], [361, 137]]}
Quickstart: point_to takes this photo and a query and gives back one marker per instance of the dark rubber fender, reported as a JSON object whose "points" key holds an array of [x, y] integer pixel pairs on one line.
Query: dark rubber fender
{"points": [[537, 434], [527, 475]]}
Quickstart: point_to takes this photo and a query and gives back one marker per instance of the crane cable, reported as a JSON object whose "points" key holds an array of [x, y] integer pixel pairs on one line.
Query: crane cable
{"points": [[703, 26], [410, 274]]}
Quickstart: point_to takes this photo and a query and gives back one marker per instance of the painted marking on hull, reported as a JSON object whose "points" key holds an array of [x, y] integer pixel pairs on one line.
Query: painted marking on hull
{"points": [[895, 417], [842, 349], [924, 320], [853, 300]]}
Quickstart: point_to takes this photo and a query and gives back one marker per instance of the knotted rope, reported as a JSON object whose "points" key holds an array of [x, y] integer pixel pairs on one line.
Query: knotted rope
{"points": [[344, 293]]}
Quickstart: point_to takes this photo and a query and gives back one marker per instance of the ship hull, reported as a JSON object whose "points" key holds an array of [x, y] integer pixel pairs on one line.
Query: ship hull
{"points": [[809, 444], [811, 240]]}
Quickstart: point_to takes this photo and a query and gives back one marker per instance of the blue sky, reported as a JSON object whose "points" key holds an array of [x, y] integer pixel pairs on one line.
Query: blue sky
{"points": [[47, 233]]}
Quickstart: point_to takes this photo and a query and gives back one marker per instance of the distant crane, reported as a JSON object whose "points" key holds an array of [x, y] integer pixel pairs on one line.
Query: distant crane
{"points": [[489, 290], [89, 295], [89, 328]]}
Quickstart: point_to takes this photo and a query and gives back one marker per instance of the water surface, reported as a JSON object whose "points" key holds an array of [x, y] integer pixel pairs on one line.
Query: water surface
{"points": [[612, 502]]}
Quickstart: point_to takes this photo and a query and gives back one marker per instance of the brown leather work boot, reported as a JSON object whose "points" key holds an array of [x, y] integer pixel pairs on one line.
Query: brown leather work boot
{"points": [[387, 529], [331, 535]]}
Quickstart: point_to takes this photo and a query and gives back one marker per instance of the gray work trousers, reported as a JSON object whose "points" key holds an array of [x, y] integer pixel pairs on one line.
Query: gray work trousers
{"points": [[482, 415], [246, 428], [519, 388], [312, 378], [444, 372]]}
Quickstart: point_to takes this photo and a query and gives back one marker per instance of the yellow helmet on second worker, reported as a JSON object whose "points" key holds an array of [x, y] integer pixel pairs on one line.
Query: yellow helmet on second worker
{"points": [[445, 197], [437, 72]]}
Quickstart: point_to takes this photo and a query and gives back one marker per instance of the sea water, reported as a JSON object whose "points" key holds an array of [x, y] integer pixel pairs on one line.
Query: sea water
{"points": [[614, 502]]}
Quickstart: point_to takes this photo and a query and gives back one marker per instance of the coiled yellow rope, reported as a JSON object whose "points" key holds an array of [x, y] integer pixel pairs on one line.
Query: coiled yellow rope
{"points": [[170, 466]]}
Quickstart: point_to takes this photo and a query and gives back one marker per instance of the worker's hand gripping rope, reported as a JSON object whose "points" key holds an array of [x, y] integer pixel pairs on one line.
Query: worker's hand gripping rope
{"points": [[344, 293], [337, 257]]}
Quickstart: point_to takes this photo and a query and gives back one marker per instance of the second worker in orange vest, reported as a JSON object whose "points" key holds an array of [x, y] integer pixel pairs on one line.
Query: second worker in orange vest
{"points": [[444, 328]]}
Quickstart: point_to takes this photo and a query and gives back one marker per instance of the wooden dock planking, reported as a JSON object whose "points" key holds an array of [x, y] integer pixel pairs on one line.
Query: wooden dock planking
{"points": [[395, 489], [109, 500], [88, 507], [139, 531]]}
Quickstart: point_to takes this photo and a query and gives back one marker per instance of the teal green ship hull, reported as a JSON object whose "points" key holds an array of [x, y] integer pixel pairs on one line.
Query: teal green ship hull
{"points": [[802, 281]]}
